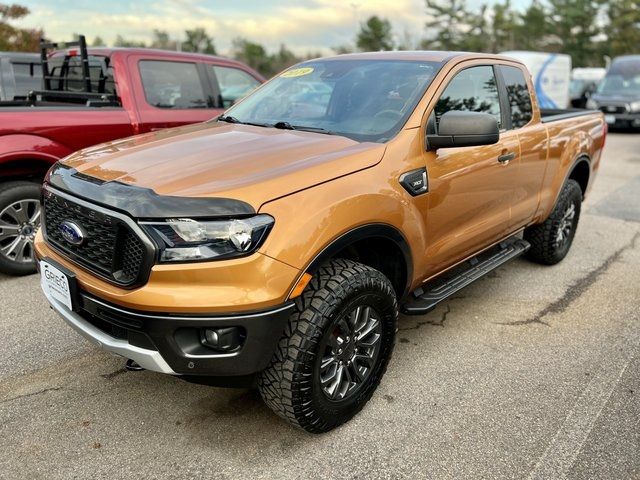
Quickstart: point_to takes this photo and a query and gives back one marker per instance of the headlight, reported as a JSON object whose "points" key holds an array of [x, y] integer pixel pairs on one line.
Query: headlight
{"points": [[634, 106], [592, 104], [185, 239]]}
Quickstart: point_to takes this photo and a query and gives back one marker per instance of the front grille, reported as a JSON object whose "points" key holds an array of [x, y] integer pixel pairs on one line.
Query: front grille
{"points": [[110, 247], [613, 108]]}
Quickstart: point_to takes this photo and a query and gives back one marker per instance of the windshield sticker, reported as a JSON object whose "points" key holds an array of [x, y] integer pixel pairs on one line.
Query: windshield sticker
{"points": [[297, 72]]}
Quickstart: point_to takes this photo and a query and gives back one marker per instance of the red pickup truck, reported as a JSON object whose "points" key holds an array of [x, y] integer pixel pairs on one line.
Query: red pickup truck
{"points": [[92, 96]]}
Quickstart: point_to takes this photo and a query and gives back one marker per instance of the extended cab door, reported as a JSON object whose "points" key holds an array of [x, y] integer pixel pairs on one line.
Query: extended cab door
{"points": [[524, 121], [470, 188], [170, 92]]}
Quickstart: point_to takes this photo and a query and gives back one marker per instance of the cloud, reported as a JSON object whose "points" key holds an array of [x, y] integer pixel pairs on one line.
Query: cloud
{"points": [[308, 25]]}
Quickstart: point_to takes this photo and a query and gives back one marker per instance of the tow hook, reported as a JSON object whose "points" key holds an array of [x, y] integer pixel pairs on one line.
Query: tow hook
{"points": [[133, 366]]}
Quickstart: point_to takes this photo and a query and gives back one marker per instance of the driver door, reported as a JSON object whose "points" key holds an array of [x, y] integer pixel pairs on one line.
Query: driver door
{"points": [[470, 188]]}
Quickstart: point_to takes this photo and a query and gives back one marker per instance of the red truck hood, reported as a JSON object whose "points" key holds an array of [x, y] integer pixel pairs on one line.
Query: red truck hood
{"points": [[252, 164]]}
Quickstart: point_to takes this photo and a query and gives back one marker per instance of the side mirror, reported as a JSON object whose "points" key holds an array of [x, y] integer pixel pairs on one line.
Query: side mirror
{"points": [[464, 129]]}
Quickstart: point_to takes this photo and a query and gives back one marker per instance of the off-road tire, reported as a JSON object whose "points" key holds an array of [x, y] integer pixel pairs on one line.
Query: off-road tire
{"points": [[545, 248], [11, 192], [290, 385]]}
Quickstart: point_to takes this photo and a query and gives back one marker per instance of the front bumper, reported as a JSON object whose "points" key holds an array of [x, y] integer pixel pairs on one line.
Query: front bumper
{"points": [[171, 343], [627, 119]]}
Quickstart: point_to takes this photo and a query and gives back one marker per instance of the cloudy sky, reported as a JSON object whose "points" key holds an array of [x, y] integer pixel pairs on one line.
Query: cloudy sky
{"points": [[304, 25]]}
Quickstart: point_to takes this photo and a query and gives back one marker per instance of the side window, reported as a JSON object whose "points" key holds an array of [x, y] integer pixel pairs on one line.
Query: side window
{"points": [[27, 76], [234, 84], [473, 89], [518, 95], [172, 84]]}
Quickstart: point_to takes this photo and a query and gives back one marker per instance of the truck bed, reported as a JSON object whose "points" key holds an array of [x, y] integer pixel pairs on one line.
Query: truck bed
{"points": [[554, 114]]}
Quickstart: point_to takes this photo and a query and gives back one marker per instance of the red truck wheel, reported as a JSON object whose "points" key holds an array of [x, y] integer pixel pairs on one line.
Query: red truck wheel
{"points": [[19, 222]]}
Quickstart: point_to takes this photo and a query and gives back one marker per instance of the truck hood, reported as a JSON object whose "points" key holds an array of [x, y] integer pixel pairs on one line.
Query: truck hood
{"points": [[241, 162]]}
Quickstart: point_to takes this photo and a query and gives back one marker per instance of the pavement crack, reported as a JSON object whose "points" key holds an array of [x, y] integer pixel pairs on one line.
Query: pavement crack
{"points": [[32, 394], [437, 323], [576, 289], [112, 375]]}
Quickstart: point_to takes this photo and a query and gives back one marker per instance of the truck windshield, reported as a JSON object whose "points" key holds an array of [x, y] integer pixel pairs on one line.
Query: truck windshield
{"points": [[623, 78], [366, 100]]}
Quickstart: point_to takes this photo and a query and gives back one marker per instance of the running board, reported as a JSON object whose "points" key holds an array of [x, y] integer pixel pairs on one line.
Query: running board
{"points": [[425, 298]]}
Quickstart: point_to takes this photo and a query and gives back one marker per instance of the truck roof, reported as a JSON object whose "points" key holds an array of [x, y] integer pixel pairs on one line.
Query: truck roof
{"points": [[20, 55], [151, 52], [425, 55]]}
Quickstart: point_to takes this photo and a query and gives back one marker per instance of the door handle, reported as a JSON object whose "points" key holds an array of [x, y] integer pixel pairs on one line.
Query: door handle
{"points": [[507, 157]]}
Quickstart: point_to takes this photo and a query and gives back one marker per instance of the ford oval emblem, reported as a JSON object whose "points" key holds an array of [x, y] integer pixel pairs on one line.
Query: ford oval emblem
{"points": [[72, 232]]}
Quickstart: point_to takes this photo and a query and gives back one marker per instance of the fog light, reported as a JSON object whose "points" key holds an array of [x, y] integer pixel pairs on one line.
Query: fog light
{"points": [[226, 339]]}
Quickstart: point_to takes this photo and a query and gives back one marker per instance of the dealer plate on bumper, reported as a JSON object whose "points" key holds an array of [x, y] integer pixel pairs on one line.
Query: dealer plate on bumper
{"points": [[610, 119], [55, 283]]}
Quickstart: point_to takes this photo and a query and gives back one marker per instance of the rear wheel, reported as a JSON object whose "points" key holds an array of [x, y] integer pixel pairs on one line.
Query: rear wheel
{"points": [[551, 240], [19, 222], [335, 348]]}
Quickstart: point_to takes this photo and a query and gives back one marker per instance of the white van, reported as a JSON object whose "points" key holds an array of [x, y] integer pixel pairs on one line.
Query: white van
{"points": [[551, 74]]}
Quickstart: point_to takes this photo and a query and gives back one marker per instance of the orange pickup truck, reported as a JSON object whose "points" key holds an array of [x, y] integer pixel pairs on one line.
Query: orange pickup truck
{"points": [[277, 244]]}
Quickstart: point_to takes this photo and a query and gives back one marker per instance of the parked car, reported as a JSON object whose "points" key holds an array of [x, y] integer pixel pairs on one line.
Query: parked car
{"points": [[584, 83], [277, 244], [618, 95], [20, 73], [551, 74], [122, 92]]}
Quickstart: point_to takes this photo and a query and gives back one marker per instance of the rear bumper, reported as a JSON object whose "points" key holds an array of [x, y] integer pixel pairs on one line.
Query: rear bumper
{"points": [[171, 343]]}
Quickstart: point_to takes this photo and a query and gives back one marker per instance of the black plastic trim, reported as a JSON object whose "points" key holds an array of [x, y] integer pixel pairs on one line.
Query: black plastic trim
{"points": [[363, 232], [549, 116], [263, 329], [140, 202]]}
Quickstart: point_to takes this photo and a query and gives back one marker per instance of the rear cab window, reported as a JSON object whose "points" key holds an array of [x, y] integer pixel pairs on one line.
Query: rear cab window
{"points": [[27, 76], [233, 83], [67, 73], [518, 95], [172, 85]]}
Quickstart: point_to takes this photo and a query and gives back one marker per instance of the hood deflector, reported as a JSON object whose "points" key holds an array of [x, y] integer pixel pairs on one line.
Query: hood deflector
{"points": [[141, 202]]}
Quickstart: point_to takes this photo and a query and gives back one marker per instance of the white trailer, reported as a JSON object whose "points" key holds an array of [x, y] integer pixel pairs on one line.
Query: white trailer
{"points": [[551, 74]]}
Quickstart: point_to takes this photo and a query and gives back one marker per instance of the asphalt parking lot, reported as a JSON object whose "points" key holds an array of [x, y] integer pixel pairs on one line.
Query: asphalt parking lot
{"points": [[532, 372]]}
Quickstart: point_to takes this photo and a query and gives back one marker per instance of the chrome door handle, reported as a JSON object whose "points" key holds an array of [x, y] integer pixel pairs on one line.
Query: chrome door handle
{"points": [[507, 157]]}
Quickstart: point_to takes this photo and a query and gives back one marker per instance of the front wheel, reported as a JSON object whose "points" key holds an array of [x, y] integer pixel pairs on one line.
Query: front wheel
{"points": [[19, 222], [335, 348], [551, 240]]}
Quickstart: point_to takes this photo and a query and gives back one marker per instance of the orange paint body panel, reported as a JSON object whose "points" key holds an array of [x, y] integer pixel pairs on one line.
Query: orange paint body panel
{"points": [[320, 187]]}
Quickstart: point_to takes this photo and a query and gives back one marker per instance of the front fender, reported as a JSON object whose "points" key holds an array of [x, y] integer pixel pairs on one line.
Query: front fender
{"points": [[309, 221]]}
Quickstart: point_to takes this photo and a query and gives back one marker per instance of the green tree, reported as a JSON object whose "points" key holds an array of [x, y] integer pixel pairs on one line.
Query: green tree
{"points": [[477, 37], [504, 27], [623, 31], [375, 35], [253, 54], [447, 25], [284, 58], [123, 42], [533, 29], [573, 23], [198, 41], [13, 38], [162, 41], [98, 42]]}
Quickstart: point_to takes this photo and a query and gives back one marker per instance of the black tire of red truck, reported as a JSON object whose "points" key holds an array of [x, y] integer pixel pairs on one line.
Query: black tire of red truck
{"points": [[19, 221], [335, 349], [551, 240]]}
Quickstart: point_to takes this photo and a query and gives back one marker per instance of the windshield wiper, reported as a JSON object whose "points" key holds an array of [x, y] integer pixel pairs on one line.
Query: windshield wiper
{"points": [[288, 126], [230, 119]]}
